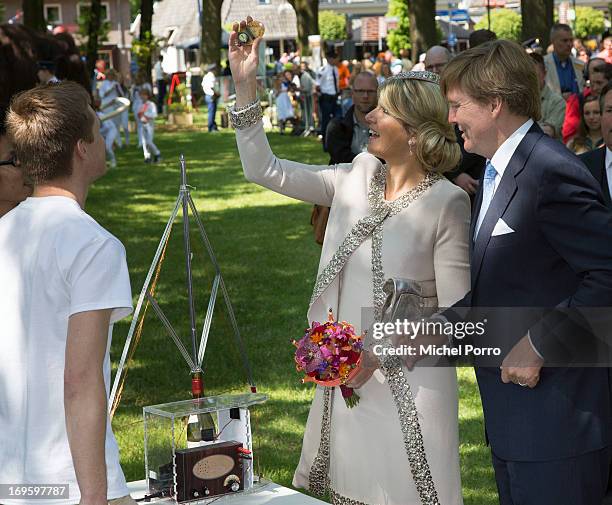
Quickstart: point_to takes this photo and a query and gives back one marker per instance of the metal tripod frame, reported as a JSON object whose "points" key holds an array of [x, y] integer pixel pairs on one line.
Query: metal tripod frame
{"points": [[195, 359]]}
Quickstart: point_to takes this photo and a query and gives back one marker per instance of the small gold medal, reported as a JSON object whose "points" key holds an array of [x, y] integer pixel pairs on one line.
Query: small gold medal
{"points": [[252, 30]]}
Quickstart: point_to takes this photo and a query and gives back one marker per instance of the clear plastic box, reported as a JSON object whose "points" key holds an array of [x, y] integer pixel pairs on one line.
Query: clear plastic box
{"points": [[183, 470]]}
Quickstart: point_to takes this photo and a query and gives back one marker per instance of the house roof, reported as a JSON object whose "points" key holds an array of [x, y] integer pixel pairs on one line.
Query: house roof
{"points": [[278, 16], [179, 19], [458, 30]]}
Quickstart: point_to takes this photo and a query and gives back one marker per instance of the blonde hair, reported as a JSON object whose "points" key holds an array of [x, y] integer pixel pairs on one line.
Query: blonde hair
{"points": [[420, 106], [499, 69]]}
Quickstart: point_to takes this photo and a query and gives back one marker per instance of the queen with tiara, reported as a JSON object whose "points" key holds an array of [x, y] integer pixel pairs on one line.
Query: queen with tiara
{"points": [[395, 219]]}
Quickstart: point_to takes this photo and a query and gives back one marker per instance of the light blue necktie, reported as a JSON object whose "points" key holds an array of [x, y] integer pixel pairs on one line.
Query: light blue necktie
{"points": [[488, 188]]}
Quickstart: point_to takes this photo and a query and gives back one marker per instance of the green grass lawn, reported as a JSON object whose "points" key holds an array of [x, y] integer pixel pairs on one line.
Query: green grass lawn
{"points": [[269, 259]]}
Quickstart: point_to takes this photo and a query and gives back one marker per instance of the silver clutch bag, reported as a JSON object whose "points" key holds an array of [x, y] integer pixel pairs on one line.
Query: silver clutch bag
{"points": [[409, 299]]}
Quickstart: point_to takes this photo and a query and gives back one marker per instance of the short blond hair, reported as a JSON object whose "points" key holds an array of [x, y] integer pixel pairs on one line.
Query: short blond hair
{"points": [[499, 69], [45, 123], [424, 112]]}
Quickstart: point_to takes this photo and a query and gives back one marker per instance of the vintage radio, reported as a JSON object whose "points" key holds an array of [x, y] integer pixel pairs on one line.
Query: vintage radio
{"points": [[199, 449], [207, 471]]}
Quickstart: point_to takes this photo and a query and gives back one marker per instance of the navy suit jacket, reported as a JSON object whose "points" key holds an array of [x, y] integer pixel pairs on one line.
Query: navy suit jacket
{"points": [[559, 255], [596, 163]]}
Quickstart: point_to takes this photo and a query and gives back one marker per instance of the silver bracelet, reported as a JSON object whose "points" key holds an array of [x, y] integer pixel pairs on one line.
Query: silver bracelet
{"points": [[247, 116], [246, 107]]}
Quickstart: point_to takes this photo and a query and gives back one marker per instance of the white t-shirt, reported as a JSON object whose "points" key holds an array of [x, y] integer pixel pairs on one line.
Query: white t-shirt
{"points": [[55, 261], [209, 82], [158, 70]]}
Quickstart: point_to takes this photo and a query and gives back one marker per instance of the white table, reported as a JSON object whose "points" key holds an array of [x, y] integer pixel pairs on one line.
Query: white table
{"points": [[267, 494]]}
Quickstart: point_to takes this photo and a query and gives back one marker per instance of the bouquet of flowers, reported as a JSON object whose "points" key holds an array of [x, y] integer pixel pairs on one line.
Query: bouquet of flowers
{"points": [[329, 354]]}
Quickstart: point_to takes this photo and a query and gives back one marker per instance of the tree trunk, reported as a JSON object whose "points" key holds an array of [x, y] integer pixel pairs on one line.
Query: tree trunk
{"points": [[537, 16], [307, 13], [34, 15], [145, 35], [93, 31], [423, 33], [210, 44]]}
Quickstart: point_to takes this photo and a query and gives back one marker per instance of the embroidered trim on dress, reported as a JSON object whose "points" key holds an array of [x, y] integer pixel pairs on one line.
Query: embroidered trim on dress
{"points": [[338, 499], [318, 478], [391, 366]]}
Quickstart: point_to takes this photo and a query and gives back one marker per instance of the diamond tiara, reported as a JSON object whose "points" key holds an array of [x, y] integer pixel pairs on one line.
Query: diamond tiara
{"points": [[423, 75]]}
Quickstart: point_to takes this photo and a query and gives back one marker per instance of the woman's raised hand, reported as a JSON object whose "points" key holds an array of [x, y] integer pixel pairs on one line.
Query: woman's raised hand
{"points": [[243, 59]]}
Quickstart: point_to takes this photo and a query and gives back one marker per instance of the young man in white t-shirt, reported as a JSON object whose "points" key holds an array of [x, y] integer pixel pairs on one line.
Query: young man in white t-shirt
{"points": [[64, 282]]}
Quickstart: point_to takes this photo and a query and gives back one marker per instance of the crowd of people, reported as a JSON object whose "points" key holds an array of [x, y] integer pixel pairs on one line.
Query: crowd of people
{"points": [[457, 177], [308, 100], [30, 59]]}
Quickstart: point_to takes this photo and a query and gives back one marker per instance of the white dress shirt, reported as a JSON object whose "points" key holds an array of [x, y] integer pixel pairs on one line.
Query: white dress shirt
{"points": [[502, 156], [500, 161], [325, 80], [609, 169]]}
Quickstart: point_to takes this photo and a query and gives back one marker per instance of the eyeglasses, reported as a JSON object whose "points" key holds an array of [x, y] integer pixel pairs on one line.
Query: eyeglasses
{"points": [[11, 161]]}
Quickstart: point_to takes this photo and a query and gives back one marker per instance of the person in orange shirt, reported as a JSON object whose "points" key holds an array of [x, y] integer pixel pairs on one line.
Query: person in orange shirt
{"points": [[344, 75], [344, 83]]}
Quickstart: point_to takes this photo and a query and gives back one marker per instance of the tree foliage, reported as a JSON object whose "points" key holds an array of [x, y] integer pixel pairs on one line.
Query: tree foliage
{"points": [[146, 40], [307, 13], [423, 33], [399, 37], [332, 25], [210, 45], [1, 12], [34, 15], [93, 30], [537, 17], [506, 23], [589, 22], [84, 23]]}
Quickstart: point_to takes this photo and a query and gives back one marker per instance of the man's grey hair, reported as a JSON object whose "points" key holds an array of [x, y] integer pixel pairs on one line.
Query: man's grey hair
{"points": [[448, 54], [559, 27]]}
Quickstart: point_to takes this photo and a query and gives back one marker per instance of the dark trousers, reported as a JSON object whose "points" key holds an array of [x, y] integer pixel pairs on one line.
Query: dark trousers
{"points": [[581, 480], [328, 107], [161, 94], [211, 103]]}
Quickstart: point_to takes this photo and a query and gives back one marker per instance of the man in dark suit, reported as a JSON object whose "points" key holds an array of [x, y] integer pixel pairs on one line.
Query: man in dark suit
{"points": [[599, 161], [541, 237]]}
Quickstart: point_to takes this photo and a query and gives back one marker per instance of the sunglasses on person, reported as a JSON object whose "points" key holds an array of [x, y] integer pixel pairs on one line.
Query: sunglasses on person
{"points": [[11, 161]]}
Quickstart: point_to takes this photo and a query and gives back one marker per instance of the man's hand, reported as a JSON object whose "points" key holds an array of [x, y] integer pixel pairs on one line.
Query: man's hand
{"points": [[467, 183], [522, 365], [367, 366]]}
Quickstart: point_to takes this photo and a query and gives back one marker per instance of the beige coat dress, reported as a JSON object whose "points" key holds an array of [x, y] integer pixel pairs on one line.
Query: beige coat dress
{"points": [[363, 455]]}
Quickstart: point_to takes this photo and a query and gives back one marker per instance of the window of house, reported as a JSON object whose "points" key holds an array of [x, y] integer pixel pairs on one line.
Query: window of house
{"points": [[263, 2], [53, 14], [83, 10]]}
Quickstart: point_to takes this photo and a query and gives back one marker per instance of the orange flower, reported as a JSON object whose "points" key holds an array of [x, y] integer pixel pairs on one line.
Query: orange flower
{"points": [[316, 337], [344, 370]]}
